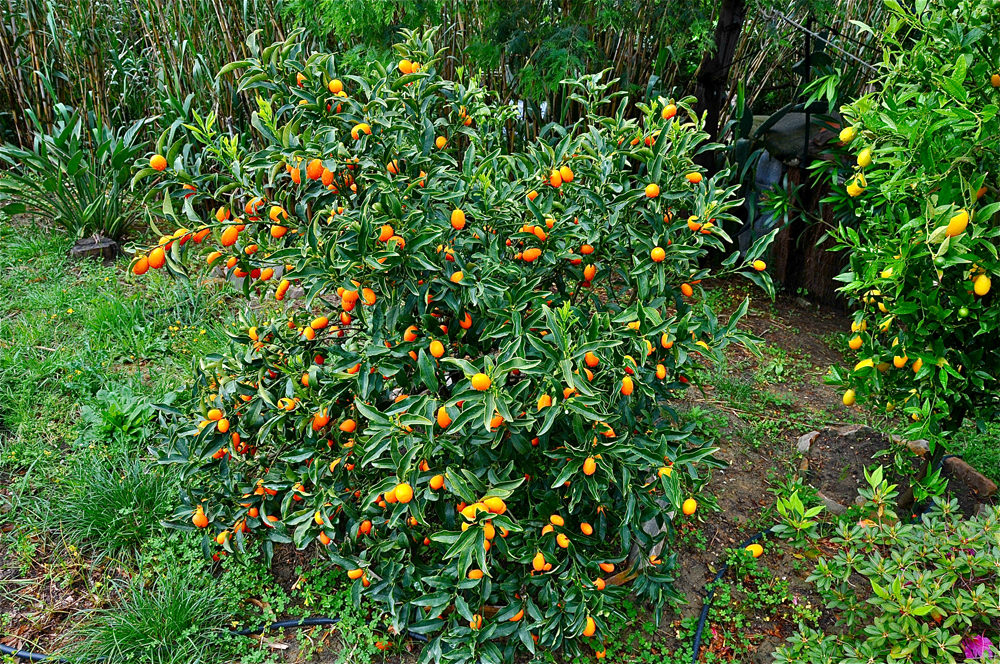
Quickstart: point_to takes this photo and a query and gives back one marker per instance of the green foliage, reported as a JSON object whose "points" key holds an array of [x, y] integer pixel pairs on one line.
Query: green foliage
{"points": [[172, 621], [76, 176], [798, 522], [932, 584], [921, 221], [114, 505], [318, 417]]}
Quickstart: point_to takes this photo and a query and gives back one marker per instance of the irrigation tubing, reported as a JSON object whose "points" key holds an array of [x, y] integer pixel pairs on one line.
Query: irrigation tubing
{"points": [[711, 594], [281, 624]]}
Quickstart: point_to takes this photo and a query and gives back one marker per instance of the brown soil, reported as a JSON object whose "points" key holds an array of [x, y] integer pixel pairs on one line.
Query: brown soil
{"points": [[837, 462]]}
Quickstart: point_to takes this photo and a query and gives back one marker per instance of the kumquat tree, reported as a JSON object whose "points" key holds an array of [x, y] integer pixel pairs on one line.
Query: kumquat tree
{"points": [[455, 378]]}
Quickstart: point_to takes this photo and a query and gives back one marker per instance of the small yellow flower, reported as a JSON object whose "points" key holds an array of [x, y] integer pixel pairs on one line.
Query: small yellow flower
{"points": [[69, 311]]}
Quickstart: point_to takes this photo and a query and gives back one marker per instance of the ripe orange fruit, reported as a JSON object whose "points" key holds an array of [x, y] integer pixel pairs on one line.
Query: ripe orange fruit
{"points": [[589, 468], [440, 142], [319, 323], [355, 573], [669, 111], [995, 80], [657, 254], [141, 266], [157, 258], [544, 401], [693, 178], [538, 562], [457, 277], [158, 162], [532, 254], [600, 584], [481, 382], [475, 574], [320, 420], [517, 616], [652, 190], [689, 506], [495, 505], [476, 623], [437, 481], [436, 348], [457, 219], [466, 322], [586, 529], [385, 233], [229, 236], [314, 170], [405, 67], [348, 426], [591, 359], [443, 420], [627, 386], [589, 272], [607, 568], [199, 519], [566, 173], [336, 86], [687, 290], [591, 627], [557, 520], [562, 540], [360, 128], [759, 265]]}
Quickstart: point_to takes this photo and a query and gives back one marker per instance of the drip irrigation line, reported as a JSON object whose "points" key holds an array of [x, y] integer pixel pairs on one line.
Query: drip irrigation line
{"points": [[281, 624], [711, 595]]}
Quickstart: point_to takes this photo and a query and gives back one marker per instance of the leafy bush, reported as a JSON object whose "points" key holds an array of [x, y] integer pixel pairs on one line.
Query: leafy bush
{"points": [[919, 214], [468, 406], [933, 586], [77, 176]]}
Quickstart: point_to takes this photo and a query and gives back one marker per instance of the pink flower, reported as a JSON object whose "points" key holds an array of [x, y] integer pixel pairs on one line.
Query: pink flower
{"points": [[978, 647]]}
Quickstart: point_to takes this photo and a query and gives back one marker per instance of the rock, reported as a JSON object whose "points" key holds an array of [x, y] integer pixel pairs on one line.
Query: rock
{"points": [[831, 505], [980, 484], [919, 447], [805, 441], [96, 246], [853, 431]]}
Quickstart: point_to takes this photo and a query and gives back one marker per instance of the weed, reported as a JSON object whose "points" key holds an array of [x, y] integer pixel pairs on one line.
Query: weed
{"points": [[172, 621], [113, 505]]}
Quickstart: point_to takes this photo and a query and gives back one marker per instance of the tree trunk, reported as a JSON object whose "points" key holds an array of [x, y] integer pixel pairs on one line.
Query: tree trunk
{"points": [[713, 72]]}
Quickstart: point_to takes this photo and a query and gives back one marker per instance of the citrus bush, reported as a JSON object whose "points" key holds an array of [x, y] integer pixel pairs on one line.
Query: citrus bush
{"points": [[466, 409], [919, 207]]}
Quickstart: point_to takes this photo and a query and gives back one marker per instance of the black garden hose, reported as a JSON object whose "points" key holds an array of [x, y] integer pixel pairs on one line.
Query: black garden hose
{"points": [[711, 594]]}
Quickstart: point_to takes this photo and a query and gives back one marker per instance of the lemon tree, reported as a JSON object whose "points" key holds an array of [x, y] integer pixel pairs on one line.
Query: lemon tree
{"points": [[455, 376], [919, 216]]}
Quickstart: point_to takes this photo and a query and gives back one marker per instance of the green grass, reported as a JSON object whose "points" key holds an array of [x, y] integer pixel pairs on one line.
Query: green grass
{"points": [[113, 506], [174, 621], [979, 448]]}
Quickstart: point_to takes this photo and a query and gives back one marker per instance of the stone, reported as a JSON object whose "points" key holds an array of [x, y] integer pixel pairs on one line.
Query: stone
{"points": [[96, 246], [919, 447], [831, 505], [980, 484], [805, 441]]}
